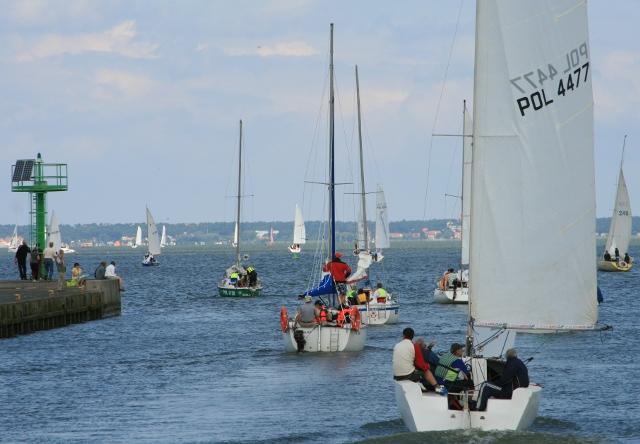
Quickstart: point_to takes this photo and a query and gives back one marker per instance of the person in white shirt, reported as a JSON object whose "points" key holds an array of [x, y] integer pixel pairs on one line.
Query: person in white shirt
{"points": [[404, 362], [49, 255], [110, 273]]}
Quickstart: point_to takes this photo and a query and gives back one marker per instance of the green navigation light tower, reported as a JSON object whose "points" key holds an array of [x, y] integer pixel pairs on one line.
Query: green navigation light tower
{"points": [[38, 178]]}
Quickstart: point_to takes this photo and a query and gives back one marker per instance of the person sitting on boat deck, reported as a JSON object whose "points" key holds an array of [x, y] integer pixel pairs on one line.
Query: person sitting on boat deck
{"points": [[427, 352], [617, 254], [444, 281], [451, 368], [321, 313], [234, 277], [452, 278], [352, 296], [606, 256], [380, 295], [405, 360], [514, 375], [100, 271], [627, 258], [252, 276], [463, 278], [339, 270], [361, 297], [342, 302], [306, 315]]}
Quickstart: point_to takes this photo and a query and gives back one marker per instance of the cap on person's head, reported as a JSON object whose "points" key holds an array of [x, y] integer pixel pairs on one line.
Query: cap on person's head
{"points": [[379, 285], [511, 353], [307, 298], [455, 347], [450, 270], [113, 262], [408, 333], [75, 264], [103, 263], [338, 254]]}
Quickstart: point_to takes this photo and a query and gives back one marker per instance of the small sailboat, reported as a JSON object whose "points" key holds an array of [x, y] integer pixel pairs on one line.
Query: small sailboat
{"points": [[383, 309], [163, 238], [153, 240], [299, 233], [239, 281], [458, 292], [138, 240], [338, 335], [15, 242], [620, 228], [54, 235], [526, 135]]}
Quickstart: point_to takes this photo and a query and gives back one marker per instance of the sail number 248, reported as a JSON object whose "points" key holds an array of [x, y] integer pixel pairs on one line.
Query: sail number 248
{"points": [[574, 74]]}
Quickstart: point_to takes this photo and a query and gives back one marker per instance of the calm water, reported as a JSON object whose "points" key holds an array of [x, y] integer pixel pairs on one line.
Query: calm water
{"points": [[182, 364]]}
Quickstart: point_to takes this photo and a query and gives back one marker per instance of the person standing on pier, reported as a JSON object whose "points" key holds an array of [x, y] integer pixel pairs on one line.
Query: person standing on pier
{"points": [[34, 262], [49, 256], [62, 270], [21, 259]]}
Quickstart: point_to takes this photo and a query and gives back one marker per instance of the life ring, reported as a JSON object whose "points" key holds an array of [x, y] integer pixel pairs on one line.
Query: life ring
{"points": [[284, 319], [622, 264], [355, 318]]}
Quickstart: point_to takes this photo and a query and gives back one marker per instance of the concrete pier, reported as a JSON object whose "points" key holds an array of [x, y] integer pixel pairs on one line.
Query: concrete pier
{"points": [[27, 306]]}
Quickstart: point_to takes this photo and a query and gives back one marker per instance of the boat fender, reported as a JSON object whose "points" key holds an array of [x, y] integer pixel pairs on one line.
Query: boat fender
{"points": [[284, 319], [622, 264], [355, 318], [298, 336]]}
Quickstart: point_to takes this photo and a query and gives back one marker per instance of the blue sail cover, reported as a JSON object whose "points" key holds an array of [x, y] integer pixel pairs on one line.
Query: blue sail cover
{"points": [[326, 286]]}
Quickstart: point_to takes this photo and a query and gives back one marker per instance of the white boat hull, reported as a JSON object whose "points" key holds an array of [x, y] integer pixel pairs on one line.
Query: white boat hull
{"points": [[376, 313], [294, 250], [459, 296], [422, 412], [326, 338]]}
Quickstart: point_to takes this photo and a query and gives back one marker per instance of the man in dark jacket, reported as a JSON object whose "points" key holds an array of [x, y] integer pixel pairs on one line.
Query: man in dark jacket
{"points": [[21, 259], [515, 375]]}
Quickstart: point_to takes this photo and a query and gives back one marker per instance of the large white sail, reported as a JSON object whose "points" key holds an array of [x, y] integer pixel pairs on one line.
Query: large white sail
{"points": [[533, 199], [152, 235], [13, 244], [53, 232], [382, 220], [620, 229], [467, 152], [299, 232], [163, 238], [138, 240], [235, 235]]}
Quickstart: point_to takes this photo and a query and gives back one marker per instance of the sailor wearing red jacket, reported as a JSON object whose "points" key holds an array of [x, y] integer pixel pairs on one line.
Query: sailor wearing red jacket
{"points": [[339, 270]]}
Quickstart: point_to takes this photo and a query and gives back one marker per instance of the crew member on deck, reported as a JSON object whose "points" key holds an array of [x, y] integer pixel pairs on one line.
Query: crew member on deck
{"points": [[404, 361], [627, 258], [338, 269], [515, 375], [451, 367], [380, 295], [607, 256], [617, 254]]}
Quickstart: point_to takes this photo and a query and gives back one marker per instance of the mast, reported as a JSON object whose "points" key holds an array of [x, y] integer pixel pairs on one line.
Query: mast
{"points": [[362, 190], [332, 190], [464, 134], [239, 196]]}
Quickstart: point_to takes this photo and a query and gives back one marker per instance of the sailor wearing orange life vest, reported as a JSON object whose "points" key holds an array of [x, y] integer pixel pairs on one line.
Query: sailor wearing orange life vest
{"points": [[321, 313]]}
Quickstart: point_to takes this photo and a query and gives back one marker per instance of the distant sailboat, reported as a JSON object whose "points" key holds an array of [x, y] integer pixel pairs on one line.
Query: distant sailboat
{"points": [[138, 240], [53, 235], [620, 228], [382, 225], [234, 242], [299, 232], [14, 243], [163, 239], [154, 242]]}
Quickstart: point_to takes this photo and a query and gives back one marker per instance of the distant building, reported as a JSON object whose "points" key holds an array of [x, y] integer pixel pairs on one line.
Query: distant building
{"points": [[396, 235]]}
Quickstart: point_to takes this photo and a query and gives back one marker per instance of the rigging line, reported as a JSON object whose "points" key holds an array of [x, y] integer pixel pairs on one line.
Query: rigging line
{"points": [[435, 118]]}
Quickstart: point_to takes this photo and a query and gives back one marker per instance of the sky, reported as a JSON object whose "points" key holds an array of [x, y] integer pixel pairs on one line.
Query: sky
{"points": [[142, 100]]}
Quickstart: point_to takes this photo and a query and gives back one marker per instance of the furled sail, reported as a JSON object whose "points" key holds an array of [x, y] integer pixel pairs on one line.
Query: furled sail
{"points": [[620, 229], [299, 232], [382, 220], [533, 123], [152, 234]]}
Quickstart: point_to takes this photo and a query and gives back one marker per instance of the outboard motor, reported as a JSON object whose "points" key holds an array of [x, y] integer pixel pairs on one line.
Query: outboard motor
{"points": [[298, 336]]}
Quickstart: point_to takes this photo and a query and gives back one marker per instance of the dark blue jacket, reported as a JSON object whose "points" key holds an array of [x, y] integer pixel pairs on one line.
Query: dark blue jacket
{"points": [[515, 375]]}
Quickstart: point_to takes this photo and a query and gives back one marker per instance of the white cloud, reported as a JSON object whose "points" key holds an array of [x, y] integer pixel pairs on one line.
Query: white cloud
{"points": [[294, 48], [114, 84], [118, 40]]}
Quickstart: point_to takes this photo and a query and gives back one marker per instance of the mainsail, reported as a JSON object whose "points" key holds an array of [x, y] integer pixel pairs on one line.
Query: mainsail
{"points": [[382, 220], [533, 123], [299, 232], [620, 229], [152, 234], [13, 244], [53, 233], [163, 239]]}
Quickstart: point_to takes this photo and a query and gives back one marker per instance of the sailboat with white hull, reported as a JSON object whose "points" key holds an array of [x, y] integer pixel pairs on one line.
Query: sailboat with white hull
{"points": [[299, 233], [15, 242], [382, 310], [457, 291], [153, 239], [619, 230], [239, 281], [347, 332], [526, 136]]}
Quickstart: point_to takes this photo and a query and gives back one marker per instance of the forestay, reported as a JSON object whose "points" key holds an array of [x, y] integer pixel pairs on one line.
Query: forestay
{"points": [[152, 233], [382, 220], [299, 232], [532, 236], [620, 229]]}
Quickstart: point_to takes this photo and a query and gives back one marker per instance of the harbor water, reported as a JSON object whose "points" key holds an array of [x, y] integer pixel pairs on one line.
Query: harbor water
{"points": [[184, 365]]}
